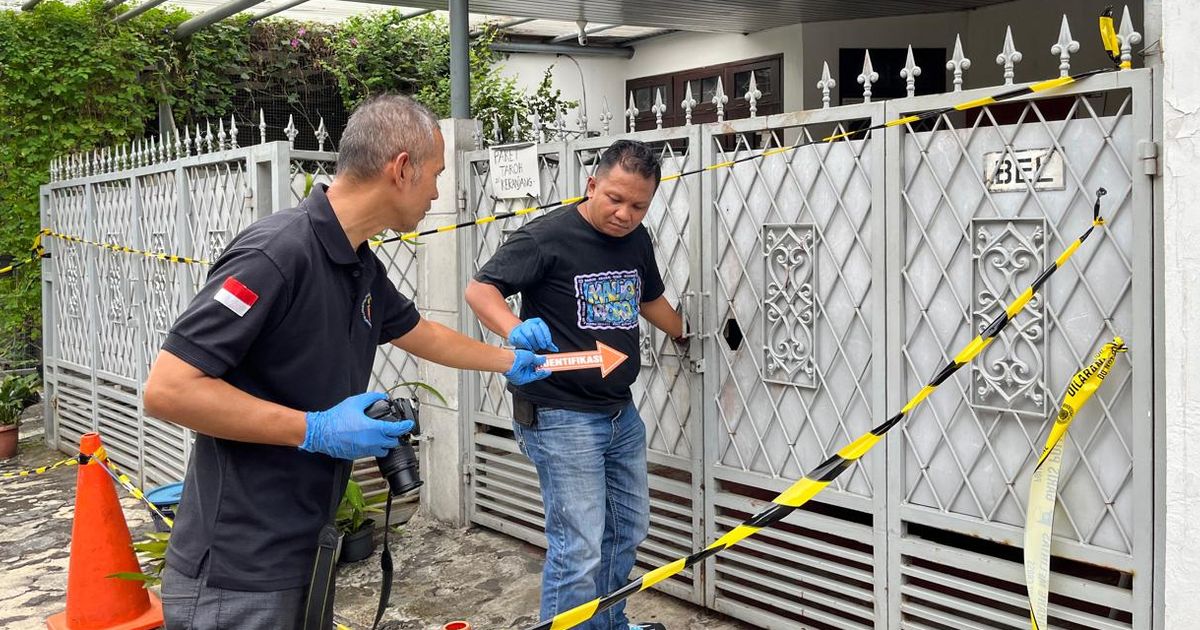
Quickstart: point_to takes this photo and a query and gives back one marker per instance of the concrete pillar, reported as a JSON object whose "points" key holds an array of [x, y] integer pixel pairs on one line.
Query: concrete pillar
{"points": [[439, 298], [1181, 318]]}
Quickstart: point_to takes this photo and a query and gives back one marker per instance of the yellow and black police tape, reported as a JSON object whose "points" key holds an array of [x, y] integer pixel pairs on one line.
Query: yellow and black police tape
{"points": [[1043, 488], [1108, 35], [125, 249], [70, 461], [1034, 88], [39, 252], [819, 477], [124, 481], [100, 457]]}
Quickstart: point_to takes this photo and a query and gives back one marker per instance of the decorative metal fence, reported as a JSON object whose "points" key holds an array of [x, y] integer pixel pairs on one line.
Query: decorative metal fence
{"points": [[824, 283], [827, 283], [107, 312]]}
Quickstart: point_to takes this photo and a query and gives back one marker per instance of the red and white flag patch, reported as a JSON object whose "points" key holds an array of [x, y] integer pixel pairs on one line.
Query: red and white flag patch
{"points": [[236, 296]]}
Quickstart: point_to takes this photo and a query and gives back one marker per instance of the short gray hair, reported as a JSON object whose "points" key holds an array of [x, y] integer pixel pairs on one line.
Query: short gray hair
{"points": [[381, 128]]}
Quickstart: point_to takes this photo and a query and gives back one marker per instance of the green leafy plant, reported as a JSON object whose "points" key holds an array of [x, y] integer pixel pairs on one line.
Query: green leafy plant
{"points": [[356, 507], [153, 549], [71, 80], [15, 392], [383, 52], [419, 385]]}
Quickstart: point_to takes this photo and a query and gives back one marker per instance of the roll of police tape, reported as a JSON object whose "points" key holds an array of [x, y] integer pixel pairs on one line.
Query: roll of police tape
{"points": [[816, 480], [1043, 488]]}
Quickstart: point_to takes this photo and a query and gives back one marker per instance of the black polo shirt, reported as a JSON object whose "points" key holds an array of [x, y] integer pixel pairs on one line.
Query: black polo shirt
{"points": [[291, 314]]}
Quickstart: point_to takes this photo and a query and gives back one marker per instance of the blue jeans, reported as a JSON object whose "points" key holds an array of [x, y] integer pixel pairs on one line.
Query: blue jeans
{"points": [[592, 471]]}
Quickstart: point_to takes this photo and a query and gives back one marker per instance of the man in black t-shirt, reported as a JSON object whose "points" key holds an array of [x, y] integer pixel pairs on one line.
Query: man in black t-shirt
{"points": [[585, 273], [268, 366]]}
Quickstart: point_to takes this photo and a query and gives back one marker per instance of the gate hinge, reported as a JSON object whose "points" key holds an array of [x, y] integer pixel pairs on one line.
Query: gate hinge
{"points": [[465, 470], [460, 201], [1148, 154]]}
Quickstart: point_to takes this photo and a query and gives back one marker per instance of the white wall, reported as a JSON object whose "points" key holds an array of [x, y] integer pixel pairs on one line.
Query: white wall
{"points": [[1035, 25], [683, 51], [1181, 300], [804, 47], [604, 76], [439, 298]]}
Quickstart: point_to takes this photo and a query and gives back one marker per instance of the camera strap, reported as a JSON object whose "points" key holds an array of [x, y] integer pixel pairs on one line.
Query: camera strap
{"points": [[318, 606], [321, 588], [385, 565]]}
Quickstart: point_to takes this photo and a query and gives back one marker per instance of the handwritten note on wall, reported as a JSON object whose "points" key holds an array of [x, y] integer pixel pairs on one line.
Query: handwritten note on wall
{"points": [[514, 171]]}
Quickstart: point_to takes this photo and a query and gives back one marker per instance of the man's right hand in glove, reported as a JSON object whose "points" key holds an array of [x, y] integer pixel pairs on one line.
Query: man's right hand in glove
{"points": [[345, 432], [526, 368], [532, 334]]}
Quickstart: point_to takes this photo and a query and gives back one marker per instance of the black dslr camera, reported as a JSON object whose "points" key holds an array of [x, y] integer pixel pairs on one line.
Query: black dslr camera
{"points": [[399, 466]]}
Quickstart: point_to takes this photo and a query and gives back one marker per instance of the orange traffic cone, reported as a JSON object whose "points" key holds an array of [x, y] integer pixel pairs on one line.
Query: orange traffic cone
{"points": [[100, 547]]}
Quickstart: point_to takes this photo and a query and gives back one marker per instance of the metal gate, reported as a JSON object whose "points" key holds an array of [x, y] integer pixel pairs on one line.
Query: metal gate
{"points": [[827, 284], [796, 355], [959, 472], [106, 313]]}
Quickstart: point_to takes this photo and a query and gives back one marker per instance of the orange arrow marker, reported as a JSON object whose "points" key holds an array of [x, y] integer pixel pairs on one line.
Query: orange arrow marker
{"points": [[603, 357]]}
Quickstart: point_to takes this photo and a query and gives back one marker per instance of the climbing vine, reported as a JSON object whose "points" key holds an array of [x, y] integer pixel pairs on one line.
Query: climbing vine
{"points": [[72, 80]]}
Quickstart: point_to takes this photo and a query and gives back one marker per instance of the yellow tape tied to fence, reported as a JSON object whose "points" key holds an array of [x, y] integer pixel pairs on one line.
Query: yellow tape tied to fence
{"points": [[1043, 489]]}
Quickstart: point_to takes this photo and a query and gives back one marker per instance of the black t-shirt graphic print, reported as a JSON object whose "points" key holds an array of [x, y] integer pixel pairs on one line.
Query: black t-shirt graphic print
{"points": [[588, 287]]}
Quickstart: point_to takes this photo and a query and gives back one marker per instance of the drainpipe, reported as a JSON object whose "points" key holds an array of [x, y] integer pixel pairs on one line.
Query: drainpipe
{"points": [[460, 69]]}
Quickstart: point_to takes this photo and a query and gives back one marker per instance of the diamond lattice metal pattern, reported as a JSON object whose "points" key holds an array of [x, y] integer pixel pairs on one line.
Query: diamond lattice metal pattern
{"points": [[781, 427], [974, 461], [491, 395], [663, 390]]}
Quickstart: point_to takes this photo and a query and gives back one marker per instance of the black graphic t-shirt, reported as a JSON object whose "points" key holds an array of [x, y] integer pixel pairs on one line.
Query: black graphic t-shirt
{"points": [[588, 287]]}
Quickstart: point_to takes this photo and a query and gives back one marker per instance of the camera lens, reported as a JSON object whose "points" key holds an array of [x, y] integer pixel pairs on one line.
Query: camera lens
{"points": [[399, 467]]}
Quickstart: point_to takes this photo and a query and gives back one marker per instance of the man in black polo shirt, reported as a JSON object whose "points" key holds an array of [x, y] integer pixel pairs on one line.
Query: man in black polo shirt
{"points": [[585, 272], [269, 364]]}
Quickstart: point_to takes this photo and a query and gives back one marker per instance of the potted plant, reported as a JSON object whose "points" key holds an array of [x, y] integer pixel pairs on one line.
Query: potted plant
{"points": [[15, 392], [358, 529]]}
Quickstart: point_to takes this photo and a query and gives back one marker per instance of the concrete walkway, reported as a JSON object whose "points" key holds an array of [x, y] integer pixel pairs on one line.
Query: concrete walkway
{"points": [[442, 573]]}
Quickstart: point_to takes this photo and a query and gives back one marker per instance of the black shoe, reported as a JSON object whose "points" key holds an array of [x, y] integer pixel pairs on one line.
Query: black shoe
{"points": [[647, 626]]}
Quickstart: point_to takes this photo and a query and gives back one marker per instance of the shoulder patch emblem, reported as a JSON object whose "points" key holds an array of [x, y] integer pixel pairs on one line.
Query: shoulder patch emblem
{"points": [[236, 296]]}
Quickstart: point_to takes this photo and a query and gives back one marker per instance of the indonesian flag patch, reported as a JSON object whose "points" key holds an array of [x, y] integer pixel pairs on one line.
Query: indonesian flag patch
{"points": [[236, 296]]}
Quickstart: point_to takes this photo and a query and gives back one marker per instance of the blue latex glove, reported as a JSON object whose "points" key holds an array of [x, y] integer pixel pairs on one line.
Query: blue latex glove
{"points": [[345, 432], [532, 334], [525, 368]]}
